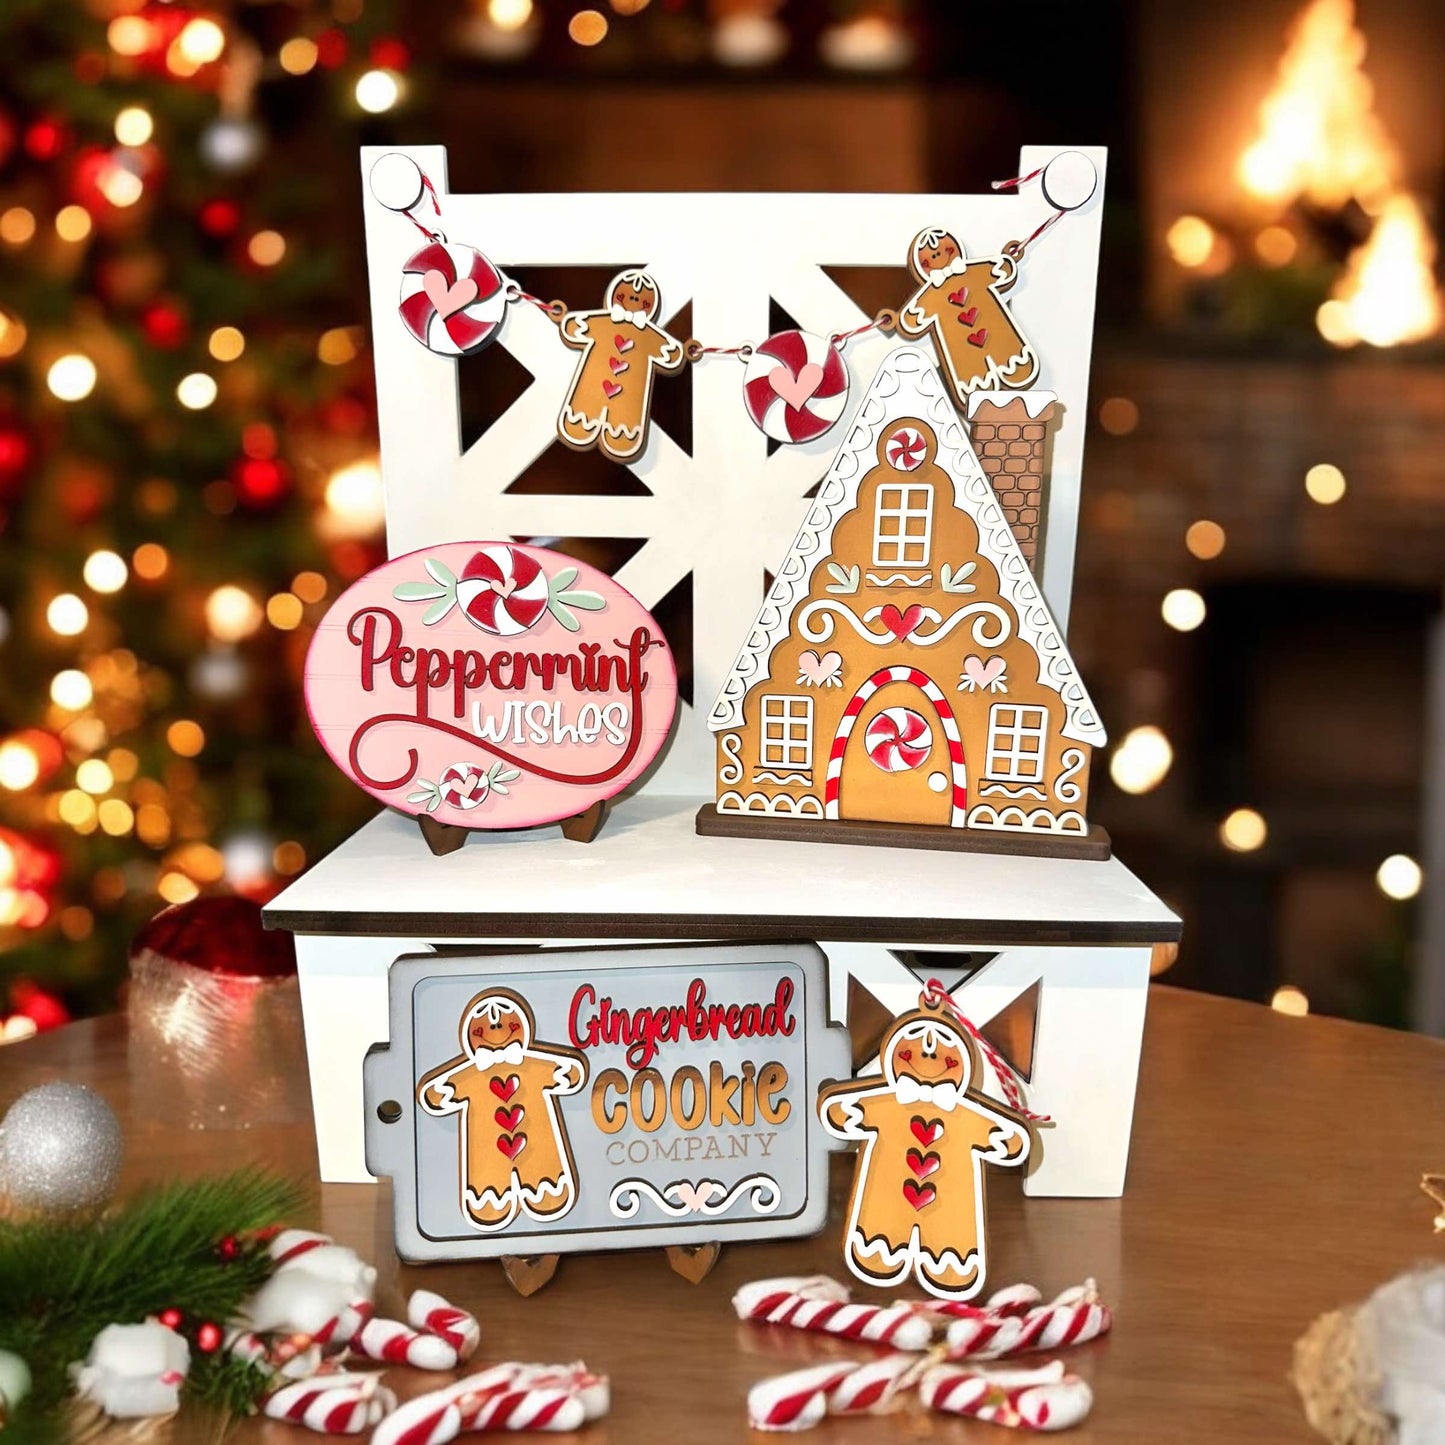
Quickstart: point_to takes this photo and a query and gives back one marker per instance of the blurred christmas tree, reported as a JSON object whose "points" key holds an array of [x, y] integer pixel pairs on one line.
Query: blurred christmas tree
{"points": [[187, 466]]}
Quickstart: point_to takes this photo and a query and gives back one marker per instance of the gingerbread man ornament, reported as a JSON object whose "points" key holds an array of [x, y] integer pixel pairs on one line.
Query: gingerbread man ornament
{"points": [[918, 1188], [514, 1154], [610, 400], [961, 303]]}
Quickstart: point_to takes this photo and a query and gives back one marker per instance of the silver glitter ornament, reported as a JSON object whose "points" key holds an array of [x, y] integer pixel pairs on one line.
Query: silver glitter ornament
{"points": [[60, 1149]]}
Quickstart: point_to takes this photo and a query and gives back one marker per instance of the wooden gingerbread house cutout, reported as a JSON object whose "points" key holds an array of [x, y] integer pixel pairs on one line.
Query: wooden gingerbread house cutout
{"points": [[905, 682]]}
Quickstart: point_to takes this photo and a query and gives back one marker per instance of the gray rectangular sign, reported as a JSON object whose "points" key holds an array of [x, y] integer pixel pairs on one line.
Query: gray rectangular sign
{"points": [[603, 1098]]}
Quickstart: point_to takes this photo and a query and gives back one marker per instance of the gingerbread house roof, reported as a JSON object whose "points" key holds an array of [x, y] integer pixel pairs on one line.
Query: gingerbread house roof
{"points": [[908, 384]]}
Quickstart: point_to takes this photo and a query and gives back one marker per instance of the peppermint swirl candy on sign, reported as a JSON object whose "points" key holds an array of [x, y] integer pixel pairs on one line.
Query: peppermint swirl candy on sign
{"points": [[428, 1311], [464, 786], [906, 449], [898, 739], [821, 1304], [796, 386], [502, 590], [452, 298]]}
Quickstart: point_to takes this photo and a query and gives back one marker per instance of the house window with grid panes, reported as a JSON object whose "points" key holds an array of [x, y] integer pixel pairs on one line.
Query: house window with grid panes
{"points": [[903, 524], [787, 740], [1016, 735]]}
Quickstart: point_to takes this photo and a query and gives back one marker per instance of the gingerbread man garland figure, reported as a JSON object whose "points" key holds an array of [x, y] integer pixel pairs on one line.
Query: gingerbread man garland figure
{"points": [[610, 400], [514, 1154], [961, 302], [918, 1189]]}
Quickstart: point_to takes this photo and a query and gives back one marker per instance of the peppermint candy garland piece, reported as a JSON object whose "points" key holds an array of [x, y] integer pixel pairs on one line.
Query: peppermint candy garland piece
{"points": [[796, 1401], [393, 1343], [464, 786], [796, 386], [819, 1303], [428, 1311], [1074, 1317], [452, 298], [1042, 1399], [898, 739], [331, 1404]]}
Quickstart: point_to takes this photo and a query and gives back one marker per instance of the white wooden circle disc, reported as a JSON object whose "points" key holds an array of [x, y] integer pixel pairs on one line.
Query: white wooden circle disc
{"points": [[1069, 180], [396, 181], [938, 781]]}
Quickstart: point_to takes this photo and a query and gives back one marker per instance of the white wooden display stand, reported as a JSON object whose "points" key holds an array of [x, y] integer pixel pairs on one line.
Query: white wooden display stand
{"points": [[725, 514]]}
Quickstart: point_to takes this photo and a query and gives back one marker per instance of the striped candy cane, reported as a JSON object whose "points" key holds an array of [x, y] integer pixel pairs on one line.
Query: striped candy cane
{"points": [[873, 1388], [516, 1407], [1072, 1318], [819, 1303], [1013, 1299], [292, 1358], [393, 1343], [331, 1404], [503, 1397], [430, 1312], [795, 1401], [593, 1392], [1041, 1399]]}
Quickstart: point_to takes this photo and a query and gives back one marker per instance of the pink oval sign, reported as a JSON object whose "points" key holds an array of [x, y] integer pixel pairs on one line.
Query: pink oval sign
{"points": [[490, 685]]}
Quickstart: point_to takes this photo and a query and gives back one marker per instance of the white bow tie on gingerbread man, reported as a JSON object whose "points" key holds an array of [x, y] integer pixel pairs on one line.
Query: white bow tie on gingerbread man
{"points": [[944, 274], [943, 1096], [485, 1058], [620, 314]]}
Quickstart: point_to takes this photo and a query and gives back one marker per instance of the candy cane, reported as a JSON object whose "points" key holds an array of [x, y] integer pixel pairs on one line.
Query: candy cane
{"points": [[293, 1242], [331, 1404], [520, 1408], [872, 1388], [593, 1392], [795, 1401], [1042, 1399], [819, 1303], [392, 1343], [1012, 1299], [1073, 1317], [430, 1312]]}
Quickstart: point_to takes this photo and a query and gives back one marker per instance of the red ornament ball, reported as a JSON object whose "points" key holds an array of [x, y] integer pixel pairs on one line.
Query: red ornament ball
{"points": [[260, 482], [17, 450], [45, 139], [171, 1318], [219, 217], [389, 53], [208, 1338], [165, 325], [229, 1247], [331, 48], [221, 935]]}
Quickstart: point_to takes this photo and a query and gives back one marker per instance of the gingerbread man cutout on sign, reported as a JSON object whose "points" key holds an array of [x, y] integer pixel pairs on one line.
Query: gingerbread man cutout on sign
{"points": [[918, 1188], [961, 302], [514, 1154], [610, 400]]}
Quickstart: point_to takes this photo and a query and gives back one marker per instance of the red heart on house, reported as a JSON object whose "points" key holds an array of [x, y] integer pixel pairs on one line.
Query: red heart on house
{"points": [[617, 364], [512, 1144], [969, 317], [623, 344], [509, 1118], [504, 1088], [979, 337], [959, 297], [920, 1196], [900, 624], [927, 1131], [923, 1165], [611, 390]]}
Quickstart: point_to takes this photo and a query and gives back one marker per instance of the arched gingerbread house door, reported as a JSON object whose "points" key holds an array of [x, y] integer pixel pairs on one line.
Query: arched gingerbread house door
{"points": [[897, 756]]}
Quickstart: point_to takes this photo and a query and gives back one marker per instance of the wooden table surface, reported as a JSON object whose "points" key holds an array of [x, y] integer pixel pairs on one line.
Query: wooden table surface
{"points": [[1275, 1174]]}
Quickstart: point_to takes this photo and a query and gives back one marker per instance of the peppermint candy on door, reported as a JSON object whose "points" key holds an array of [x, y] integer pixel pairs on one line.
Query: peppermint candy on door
{"points": [[452, 298], [796, 386], [898, 739]]}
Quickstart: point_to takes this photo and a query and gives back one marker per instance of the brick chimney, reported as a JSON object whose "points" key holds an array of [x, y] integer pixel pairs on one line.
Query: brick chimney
{"points": [[1008, 429]]}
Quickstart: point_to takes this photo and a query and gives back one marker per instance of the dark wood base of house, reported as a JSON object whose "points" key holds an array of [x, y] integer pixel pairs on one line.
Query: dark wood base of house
{"points": [[1093, 846]]}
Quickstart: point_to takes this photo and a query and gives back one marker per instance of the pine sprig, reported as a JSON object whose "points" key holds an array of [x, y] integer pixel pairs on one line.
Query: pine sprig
{"points": [[63, 1280]]}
